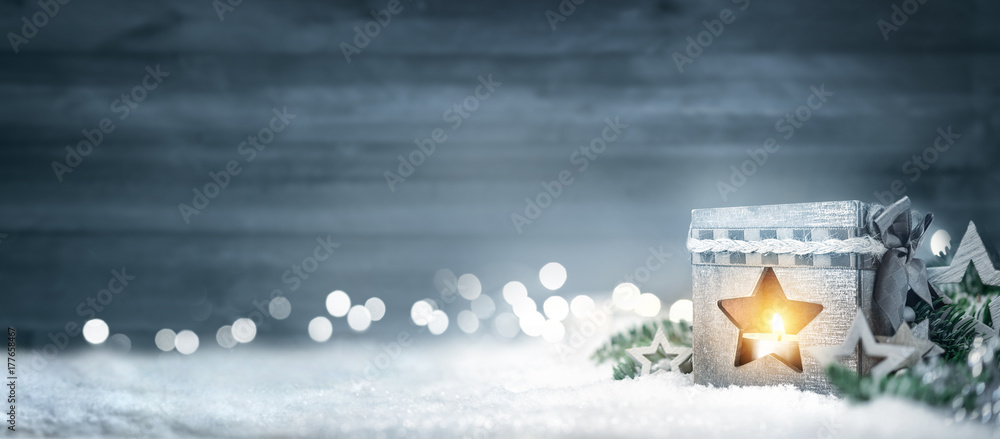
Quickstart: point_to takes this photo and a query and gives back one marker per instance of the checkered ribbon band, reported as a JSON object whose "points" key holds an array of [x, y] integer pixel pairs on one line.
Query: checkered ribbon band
{"points": [[816, 247]]}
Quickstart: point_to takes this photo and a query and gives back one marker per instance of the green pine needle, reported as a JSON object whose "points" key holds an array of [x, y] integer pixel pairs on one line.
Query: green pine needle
{"points": [[642, 335], [953, 380], [971, 295], [908, 384], [625, 368], [950, 328]]}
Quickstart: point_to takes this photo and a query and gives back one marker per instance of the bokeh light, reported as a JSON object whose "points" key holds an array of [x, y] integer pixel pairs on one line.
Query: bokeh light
{"points": [[625, 296], [224, 336], [469, 286], [524, 307], [186, 342], [514, 291], [120, 343], [682, 310], [483, 306], [445, 281], [532, 323], [164, 339], [420, 313], [582, 306], [553, 331], [552, 275], [244, 330], [358, 318], [940, 242], [376, 308], [506, 325], [556, 308], [648, 305], [95, 331], [279, 307], [320, 329], [467, 321], [338, 303], [438, 322]]}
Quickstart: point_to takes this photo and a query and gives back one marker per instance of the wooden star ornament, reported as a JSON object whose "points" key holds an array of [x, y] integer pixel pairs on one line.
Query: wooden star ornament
{"points": [[660, 346], [972, 259], [905, 337], [972, 250], [893, 355], [985, 330], [922, 331]]}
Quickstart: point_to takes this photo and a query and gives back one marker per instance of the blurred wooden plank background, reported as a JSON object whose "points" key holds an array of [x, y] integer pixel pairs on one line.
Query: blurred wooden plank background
{"points": [[324, 174]]}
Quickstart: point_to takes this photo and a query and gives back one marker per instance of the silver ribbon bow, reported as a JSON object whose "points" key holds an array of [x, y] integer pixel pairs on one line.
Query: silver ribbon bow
{"points": [[900, 271]]}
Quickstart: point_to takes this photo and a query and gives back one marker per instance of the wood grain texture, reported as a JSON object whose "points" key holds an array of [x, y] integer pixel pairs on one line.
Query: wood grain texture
{"points": [[971, 250], [325, 173]]}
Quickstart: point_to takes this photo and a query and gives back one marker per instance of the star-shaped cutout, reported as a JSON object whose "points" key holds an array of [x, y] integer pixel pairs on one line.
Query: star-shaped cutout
{"points": [[905, 337], [681, 360], [893, 355], [755, 313]]}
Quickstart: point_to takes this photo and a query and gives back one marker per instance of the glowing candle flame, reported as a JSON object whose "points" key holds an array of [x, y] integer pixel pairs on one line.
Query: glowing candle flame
{"points": [[777, 326]]}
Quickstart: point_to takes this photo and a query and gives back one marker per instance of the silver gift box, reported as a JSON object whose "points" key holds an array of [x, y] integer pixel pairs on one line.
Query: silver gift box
{"points": [[839, 282]]}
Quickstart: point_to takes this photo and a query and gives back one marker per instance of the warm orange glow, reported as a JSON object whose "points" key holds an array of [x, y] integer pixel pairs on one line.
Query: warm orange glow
{"points": [[777, 326]]}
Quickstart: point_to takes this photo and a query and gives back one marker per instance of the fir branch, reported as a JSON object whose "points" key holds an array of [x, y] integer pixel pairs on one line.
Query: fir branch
{"points": [[614, 349], [642, 335], [625, 368], [971, 295], [907, 384], [950, 328], [968, 388]]}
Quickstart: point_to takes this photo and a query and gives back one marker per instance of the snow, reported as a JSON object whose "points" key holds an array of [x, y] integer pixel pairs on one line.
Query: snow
{"points": [[423, 388]]}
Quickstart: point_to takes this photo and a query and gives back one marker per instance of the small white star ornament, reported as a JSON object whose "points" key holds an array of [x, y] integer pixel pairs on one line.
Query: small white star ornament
{"points": [[681, 355], [922, 331], [906, 337], [894, 355]]}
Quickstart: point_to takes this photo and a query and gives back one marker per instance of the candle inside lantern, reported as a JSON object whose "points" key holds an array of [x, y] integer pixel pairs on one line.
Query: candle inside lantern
{"points": [[783, 346]]}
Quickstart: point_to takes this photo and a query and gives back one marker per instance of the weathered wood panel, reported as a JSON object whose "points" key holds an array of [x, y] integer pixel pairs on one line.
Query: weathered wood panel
{"points": [[324, 174]]}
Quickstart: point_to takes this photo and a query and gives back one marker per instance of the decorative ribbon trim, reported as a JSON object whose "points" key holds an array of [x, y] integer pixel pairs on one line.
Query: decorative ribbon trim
{"points": [[866, 245], [900, 271]]}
